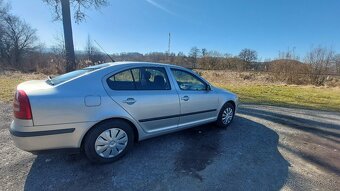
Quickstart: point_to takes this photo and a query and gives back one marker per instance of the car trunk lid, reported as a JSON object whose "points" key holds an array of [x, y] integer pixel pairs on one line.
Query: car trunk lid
{"points": [[33, 85]]}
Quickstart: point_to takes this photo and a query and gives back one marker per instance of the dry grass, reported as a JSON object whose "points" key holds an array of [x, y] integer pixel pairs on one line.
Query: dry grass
{"points": [[9, 81], [231, 77]]}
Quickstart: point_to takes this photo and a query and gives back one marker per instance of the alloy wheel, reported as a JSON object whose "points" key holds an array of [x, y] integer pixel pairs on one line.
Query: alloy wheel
{"points": [[227, 115]]}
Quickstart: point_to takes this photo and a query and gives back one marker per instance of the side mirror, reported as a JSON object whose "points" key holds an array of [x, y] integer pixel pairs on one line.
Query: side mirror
{"points": [[208, 88]]}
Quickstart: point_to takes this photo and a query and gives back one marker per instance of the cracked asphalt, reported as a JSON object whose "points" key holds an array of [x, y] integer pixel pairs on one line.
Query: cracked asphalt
{"points": [[266, 148]]}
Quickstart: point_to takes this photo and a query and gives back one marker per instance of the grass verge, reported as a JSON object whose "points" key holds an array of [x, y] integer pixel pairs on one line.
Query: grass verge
{"points": [[308, 97]]}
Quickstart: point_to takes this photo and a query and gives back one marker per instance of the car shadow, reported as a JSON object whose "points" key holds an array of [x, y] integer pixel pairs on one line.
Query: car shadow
{"points": [[244, 156], [323, 134]]}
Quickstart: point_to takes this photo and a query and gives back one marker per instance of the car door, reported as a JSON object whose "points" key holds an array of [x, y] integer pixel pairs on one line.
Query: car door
{"points": [[146, 94], [198, 101]]}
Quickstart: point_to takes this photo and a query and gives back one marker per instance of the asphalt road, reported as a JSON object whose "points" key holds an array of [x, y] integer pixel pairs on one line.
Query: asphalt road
{"points": [[266, 148]]}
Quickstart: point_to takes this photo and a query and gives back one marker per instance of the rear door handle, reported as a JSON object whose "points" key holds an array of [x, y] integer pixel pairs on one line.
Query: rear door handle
{"points": [[129, 101], [185, 98]]}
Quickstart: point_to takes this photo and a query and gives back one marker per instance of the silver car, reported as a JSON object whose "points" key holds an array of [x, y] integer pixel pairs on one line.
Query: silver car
{"points": [[105, 109]]}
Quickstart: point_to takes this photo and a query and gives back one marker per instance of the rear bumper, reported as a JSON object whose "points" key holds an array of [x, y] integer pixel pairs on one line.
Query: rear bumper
{"points": [[37, 138]]}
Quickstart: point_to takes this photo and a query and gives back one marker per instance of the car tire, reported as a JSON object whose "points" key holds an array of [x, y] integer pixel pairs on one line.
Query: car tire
{"points": [[108, 141], [226, 115]]}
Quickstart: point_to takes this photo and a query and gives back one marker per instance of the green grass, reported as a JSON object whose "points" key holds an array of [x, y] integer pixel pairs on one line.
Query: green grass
{"points": [[289, 96], [280, 95]]}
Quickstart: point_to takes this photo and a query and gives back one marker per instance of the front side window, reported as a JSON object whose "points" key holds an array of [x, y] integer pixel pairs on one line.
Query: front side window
{"points": [[188, 81], [144, 78]]}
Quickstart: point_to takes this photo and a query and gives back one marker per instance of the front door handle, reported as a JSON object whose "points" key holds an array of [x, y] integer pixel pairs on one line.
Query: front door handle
{"points": [[185, 98], [129, 101]]}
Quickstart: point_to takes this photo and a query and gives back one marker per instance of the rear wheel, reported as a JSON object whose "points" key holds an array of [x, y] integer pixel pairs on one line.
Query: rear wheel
{"points": [[226, 115], [108, 141]]}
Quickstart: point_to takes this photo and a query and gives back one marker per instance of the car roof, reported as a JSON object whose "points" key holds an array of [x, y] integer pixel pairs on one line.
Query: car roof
{"points": [[132, 63], [148, 64], [102, 69]]}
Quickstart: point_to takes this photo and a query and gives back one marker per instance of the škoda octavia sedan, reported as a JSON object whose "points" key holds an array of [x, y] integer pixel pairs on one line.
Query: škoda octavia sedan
{"points": [[104, 109]]}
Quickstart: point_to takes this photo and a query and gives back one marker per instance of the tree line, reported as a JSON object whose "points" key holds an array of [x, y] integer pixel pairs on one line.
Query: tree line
{"points": [[20, 50]]}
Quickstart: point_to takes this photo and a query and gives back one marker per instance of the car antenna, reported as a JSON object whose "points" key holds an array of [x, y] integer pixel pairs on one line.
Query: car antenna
{"points": [[104, 51]]}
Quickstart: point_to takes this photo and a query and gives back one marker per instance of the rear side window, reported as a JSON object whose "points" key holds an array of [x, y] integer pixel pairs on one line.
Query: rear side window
{"points": [[144, 78], [70, 75], [122, 81]]}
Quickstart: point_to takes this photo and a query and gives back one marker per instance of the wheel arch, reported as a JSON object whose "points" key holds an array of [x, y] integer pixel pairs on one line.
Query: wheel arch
{"points": [[224, 101], [232, 103], [133, 126]]}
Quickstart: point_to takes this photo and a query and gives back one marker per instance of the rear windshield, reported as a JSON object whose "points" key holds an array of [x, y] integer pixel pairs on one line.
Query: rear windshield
{"points": [[68, 76]]}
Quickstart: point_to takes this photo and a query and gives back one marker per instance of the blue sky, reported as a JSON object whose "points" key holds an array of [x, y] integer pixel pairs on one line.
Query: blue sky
{"points": [[227, 26]]}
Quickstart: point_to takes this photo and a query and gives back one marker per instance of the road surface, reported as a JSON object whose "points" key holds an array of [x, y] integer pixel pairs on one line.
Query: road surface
{"points": [[266, 148]]}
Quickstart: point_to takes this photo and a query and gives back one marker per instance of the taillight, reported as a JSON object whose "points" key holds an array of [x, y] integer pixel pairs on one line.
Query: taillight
{"points": [[21, 106]]}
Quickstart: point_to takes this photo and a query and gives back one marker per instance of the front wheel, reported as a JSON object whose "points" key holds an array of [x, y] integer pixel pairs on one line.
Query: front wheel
{"points": [[108, 141], [226, 115]]}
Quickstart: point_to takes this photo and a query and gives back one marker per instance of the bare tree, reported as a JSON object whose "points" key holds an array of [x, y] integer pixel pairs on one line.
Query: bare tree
{"points": [[57, 60], [320, 59], [17, 39], [228, 55], [193, 54], [248, 55], [90, 49], [61, 9], [204, 52], [289, 54], [337, 63], [181, 59], [92, 54], [4, 8], [212, 60]]}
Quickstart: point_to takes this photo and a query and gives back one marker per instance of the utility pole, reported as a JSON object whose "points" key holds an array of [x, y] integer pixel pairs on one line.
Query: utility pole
{"points": [[168, 52], [169, 43], [67, 25]]}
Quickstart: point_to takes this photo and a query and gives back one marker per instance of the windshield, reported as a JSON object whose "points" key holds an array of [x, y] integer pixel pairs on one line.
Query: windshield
{"points": [[68, 76]]}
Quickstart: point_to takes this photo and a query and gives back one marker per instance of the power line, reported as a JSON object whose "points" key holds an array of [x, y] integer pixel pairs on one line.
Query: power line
{"points": [[169, 43]]}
